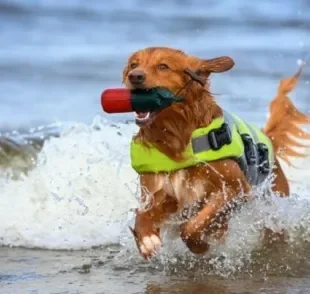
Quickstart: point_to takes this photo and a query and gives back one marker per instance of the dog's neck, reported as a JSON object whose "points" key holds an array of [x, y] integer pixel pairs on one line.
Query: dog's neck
{"points": [[172, 128]]}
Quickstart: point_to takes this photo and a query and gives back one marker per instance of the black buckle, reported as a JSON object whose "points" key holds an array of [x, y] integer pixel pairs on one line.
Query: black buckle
{"points": [[263, 155], [249, 149], [220, 137]]}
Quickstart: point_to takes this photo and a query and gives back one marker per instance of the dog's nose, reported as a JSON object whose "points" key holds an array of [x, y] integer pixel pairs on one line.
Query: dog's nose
{"points": [[137, 77]]}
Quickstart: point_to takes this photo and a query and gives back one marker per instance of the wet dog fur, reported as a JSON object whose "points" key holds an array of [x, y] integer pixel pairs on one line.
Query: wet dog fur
{"points": [[211, 186]]}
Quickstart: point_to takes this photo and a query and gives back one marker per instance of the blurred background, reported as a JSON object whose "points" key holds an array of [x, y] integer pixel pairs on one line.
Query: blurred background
{"points": [[57, 56]]}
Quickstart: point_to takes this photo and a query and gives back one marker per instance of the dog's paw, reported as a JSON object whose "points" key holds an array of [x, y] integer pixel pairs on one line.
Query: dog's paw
{"points": [[149, 245]]}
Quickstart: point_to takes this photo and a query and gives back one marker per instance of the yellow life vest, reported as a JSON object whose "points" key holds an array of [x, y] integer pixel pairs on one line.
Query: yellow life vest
{"points": [[226, 137]]}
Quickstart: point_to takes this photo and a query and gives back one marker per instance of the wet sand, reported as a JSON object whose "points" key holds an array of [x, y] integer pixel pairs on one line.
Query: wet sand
{"points": [[93, 271]]}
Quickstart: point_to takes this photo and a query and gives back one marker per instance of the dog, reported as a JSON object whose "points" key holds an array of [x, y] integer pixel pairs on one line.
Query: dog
{"points": [[208, 186]]}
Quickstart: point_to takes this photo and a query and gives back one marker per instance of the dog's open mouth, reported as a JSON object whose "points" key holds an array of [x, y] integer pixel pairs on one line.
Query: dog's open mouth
{"points": [[143, 117]]}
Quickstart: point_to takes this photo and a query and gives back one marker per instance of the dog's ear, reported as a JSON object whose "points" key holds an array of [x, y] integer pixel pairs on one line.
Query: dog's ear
{"points": [[216, 65]]}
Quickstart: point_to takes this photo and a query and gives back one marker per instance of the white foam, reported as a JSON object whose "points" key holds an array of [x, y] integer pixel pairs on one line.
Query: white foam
{"points": [[78, 196]]}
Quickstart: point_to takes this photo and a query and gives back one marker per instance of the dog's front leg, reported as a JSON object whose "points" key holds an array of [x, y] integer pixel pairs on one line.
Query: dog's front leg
{"points": [[158, 207], [202, 224]]}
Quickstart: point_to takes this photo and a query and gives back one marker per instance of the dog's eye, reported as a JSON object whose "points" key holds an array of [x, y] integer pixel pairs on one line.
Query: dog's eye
{"points": [[163, 66], [134, 65]]}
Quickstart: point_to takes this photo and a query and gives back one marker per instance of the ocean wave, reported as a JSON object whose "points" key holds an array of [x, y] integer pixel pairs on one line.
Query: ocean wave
{"points": [[78, 195]]}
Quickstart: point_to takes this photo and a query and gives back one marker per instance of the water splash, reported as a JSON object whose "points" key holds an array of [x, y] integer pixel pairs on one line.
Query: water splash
{"points": [[79, 194], [244, 250], [82, 192]]}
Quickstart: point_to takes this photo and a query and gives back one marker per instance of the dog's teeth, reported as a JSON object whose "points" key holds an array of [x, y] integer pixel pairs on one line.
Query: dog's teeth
{"points": [[146, 117]]}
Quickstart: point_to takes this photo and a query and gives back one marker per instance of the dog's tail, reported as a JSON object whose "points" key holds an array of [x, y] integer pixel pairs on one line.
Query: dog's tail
{"points": [[284, 124]]}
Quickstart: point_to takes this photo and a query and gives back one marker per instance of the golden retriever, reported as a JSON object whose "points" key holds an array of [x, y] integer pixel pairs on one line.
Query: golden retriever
{"points": [[211, 186]]}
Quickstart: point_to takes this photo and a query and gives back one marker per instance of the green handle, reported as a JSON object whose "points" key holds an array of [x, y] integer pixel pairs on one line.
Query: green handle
{"points": [[154, 99]]}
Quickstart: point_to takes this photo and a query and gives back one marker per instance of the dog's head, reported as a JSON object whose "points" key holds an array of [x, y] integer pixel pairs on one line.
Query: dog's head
{"points": [[170, 69]]}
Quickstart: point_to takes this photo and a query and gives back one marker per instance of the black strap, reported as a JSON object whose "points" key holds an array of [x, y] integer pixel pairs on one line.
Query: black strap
{"points": [[264, 164], [254, 153], [257, 155], [249, 171], [214, 140], [200, 144]]}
